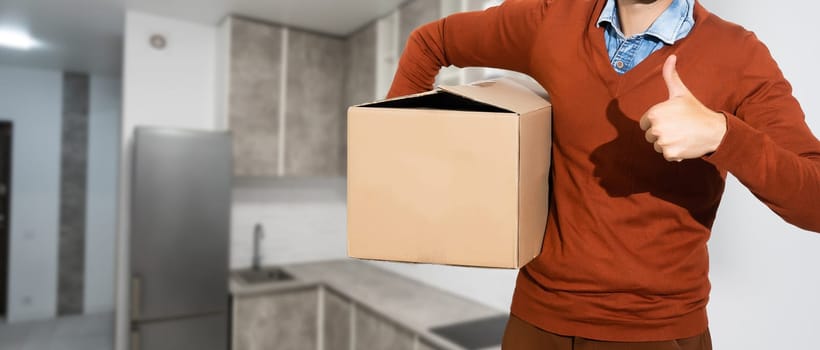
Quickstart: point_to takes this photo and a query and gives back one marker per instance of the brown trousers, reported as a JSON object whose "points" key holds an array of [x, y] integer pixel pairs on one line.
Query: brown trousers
{"points": [[520, 335]]}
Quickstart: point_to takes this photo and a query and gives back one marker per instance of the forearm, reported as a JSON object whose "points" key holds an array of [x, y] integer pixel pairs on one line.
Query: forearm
{"points": [[786, 181], [422, 59]]}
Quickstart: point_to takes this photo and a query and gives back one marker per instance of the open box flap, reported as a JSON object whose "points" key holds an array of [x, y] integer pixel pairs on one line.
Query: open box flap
{"points": [[503, 92], [498, 95]]}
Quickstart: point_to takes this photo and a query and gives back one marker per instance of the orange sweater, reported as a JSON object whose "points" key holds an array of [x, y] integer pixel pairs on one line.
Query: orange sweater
{"points": [[624, 255]]}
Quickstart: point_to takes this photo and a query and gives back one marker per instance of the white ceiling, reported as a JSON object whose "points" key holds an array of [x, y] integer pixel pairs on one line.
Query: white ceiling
{"points": [[86, 35], [78, 35], [335, 17]]}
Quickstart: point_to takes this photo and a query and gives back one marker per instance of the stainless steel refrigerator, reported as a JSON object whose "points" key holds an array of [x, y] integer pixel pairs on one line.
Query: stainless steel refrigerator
{"points": [[180, 217]]}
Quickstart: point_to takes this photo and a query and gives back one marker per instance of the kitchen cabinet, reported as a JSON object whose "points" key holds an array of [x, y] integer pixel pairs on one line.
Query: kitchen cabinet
{"points": [[386, 53], [286, 320], [414, 14], [374, 332], [284, 92], [284, 99], [392, 32], [360, 83], [313, 108], [362, 306], [206, 332], [254, 95], [309, 315], [338, 316]]}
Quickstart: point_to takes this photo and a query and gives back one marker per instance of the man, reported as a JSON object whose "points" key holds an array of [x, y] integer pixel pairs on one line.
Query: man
{"points": [[654, 101]]}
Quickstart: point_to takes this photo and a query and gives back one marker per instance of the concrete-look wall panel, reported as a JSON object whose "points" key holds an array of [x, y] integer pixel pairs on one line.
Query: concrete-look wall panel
{"points": [[73, 168], [254, 96], [314, 109]]}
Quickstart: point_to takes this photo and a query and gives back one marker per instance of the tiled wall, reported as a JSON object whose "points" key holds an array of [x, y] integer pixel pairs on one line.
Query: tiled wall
{"points": [[73, 168], [304, 220]]}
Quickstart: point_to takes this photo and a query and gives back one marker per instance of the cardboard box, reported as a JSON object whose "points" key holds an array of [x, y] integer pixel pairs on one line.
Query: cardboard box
{"points": [[453, 176]]}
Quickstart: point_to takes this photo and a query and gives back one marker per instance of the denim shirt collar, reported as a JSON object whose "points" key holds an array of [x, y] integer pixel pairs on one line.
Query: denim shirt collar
{"points": [[673, 24]]}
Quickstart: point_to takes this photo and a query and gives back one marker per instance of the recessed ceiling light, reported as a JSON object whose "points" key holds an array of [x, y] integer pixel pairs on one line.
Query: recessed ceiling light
{"points": [[16, 39]]}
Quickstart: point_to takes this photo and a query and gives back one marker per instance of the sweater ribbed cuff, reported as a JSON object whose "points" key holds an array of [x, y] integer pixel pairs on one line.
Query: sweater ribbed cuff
{"points": [[733, 151]]}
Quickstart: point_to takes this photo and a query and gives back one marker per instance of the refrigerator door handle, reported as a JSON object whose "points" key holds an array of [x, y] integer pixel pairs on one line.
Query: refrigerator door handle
{"points": [[135, 340], [136, 297]]}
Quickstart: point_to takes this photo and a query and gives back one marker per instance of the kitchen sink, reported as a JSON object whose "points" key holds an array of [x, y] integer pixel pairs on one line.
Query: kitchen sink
{"points": [[475, 334], [266, 275]]}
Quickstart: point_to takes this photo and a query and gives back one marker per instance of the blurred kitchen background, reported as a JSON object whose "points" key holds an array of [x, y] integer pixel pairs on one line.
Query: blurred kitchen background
{"points": [[147, 146]]}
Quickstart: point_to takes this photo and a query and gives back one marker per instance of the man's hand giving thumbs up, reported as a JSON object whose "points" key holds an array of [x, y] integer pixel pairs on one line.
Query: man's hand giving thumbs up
{"points": [[682, 127]]}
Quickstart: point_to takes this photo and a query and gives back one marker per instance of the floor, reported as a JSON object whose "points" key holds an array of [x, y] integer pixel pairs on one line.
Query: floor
{"points": [[86, 332]]}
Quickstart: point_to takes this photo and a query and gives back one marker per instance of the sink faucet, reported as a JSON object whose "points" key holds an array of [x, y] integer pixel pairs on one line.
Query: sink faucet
{"points": [[258, 234]]}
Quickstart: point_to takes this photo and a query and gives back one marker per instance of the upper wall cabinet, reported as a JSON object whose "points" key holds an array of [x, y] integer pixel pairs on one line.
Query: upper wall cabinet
{"points": [[255, 95], [285, 92], [360, 80], [283, 99], [313, 108]]}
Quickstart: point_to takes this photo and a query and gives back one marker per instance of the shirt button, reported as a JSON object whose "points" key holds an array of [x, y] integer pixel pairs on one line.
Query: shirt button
{"points": [[619, 64]]}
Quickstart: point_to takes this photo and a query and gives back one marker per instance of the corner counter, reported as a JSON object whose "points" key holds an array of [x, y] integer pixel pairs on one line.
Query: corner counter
{"points": [[347, 304]]}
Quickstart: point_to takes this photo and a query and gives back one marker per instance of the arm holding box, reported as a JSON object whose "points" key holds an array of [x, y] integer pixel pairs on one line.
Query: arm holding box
{"points": [[768, 146]]}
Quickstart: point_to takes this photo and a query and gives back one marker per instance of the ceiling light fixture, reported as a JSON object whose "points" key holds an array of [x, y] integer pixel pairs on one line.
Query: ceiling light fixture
{"points": [[17, 40]]}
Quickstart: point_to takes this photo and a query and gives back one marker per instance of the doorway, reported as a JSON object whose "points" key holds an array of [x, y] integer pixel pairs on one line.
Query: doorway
{"points": [[5, 201]]}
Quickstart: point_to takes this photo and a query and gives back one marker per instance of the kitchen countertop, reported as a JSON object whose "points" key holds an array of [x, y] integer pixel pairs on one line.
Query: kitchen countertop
{"points": [[412, 304]]}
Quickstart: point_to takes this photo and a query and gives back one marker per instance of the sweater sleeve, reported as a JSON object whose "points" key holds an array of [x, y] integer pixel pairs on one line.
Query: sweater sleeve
{"points": [[499, 37], [768, 146]]}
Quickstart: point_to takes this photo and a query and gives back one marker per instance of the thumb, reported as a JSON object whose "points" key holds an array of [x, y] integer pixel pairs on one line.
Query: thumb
{"points": [[672, 79]]}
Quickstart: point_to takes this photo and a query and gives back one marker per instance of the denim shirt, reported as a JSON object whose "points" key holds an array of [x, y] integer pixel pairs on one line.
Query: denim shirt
{"points": [[673, 24]]}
